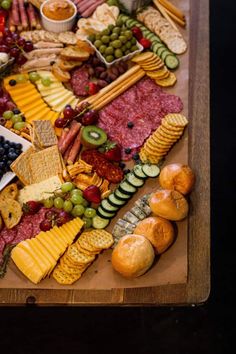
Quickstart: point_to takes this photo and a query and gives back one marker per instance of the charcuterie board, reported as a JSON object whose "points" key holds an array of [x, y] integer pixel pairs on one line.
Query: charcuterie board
{"points": [[180, 275]]}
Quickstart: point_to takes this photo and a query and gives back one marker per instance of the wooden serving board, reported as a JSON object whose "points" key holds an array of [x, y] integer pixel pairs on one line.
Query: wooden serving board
{"points": [[181, 275]]}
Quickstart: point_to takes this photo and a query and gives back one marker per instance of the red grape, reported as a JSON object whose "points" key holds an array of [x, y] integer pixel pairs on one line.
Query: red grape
{"points": [[21, 59], [45, 225], [60, 122], [1, 92], [51, 214], [68, 113], [9, 40], [4, 48], [21, 42], [28, 46], [14, 52], [15, 36], [62, 218], [7, 33], [90, 118], [2, 105]]}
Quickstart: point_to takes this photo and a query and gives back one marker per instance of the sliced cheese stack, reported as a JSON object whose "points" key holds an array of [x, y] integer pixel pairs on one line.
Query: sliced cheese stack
{"points": [[56, 95], [29, 101], [37, 257]]}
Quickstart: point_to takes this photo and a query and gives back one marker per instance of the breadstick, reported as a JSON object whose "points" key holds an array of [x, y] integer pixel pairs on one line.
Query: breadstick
{"points": [[108, 98], [176, 19], [164, 13], [172, 9], [107, 89]]}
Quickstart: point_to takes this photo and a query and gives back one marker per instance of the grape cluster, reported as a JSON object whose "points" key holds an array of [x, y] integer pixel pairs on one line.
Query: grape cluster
{"points": [[9, 151], [70, 200], [16, 117], [15, 46]]}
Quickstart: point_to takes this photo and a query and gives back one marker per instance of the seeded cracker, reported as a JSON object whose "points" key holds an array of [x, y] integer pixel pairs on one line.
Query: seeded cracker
{"points": [[21, 167], [45, 164], [44, 132]]}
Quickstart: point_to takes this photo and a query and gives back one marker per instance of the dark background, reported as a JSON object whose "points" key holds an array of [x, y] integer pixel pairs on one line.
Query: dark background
{"points": [[209, 328]]}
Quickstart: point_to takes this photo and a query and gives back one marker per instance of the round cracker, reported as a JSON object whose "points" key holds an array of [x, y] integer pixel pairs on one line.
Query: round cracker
{"points": [[168, 81]]}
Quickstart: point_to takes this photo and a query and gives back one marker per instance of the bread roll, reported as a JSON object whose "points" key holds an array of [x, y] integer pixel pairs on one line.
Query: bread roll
{"points": [[178, 177], [159, 232], [132, 256], [169, 204]]}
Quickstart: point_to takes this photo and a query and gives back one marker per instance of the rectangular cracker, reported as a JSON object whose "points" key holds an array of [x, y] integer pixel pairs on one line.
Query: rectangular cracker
{"points": [[44, 133], [21, 166], [45, 164]]}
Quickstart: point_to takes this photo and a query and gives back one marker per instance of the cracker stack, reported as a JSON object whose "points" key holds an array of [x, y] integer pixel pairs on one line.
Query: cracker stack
{"points": [[80, 255], [154, 68], [161, 141]]}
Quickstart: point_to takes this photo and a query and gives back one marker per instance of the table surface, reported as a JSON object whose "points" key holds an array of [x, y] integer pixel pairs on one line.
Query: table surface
{"points": [[197, 288]]}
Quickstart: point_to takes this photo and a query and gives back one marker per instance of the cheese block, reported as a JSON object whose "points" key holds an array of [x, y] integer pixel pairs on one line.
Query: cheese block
{"points": [[26, 264]]}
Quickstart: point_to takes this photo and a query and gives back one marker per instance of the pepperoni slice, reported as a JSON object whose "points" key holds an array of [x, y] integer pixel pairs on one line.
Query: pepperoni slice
{"points": [[114, 174], [8, 235]]}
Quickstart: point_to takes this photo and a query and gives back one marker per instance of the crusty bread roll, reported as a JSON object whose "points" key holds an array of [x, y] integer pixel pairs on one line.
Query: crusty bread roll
{"points": [[132, 256], [178, 177], [169, 204], [159, 231]]}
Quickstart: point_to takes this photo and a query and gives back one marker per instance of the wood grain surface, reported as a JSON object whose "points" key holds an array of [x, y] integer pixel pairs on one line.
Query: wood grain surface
{"points": [[197, 288]]}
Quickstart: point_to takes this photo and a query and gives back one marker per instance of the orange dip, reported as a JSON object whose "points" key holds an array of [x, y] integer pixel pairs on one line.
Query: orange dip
{"points": [[58, 10]]}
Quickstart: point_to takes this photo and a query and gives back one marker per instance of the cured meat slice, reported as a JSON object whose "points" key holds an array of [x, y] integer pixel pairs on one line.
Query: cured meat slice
{"points": [[144, 104], [24, 231], [79, 81], [8, 235]]}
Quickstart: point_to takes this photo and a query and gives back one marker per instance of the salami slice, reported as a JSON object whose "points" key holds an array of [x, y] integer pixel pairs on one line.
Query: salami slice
{"points": [[114, 174], [8, 234], [79, 81], [24, 231]]}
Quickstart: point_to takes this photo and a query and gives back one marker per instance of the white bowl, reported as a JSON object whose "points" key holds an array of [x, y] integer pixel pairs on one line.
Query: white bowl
{"points": [[58, 26]]}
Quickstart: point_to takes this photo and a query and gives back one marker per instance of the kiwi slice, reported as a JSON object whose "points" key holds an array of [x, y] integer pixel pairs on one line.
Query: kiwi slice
{"points": [[93, 136]]}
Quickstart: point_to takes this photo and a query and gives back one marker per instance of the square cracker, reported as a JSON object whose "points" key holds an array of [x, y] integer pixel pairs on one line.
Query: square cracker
{"points": [[44, 133], [45, 164], [21, 166]]}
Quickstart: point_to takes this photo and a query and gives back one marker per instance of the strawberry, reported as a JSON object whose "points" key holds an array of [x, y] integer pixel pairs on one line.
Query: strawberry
{"points": [[145, 43], [137, 33], [31, 207], [92, 194], [91, 88], [112, 151]]}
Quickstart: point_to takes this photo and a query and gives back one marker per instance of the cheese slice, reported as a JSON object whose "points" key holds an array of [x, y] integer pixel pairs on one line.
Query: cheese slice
{"points": [[55, 99], [57, 90], [50, 239], [43, 252], [23, 94], [60, 106], [26, 264], [59, 245], [27, 248], [54, 117], [59, 235], [32, 100], [70, 234], [48, 244], [50, 88], [55, 234], [40, 255], [37, 113]]}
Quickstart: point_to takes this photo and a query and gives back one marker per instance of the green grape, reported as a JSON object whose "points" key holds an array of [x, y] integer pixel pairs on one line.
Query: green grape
{"points": [[78, 210], [7, 114], [76, 199], [34, 76], [19, 125], [21, 79], [85, 203], [76, 192], [89, 212], [16, 118], [46, 81], [48, 203], [67, 187], [6, 4], [87, 222], [68, 206], [58, 203]]}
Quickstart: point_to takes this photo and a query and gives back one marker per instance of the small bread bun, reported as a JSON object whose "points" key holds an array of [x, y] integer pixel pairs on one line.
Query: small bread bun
{"points": [[132, 256], [159, 232], [178, 177], [168, 204]]}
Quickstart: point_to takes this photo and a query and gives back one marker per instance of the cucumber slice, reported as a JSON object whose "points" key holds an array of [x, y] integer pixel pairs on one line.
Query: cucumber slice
{"points": [[151, 170], [133, 23], [121, 196], [138, 172], [115, 201], [150, 35], [100, 223], [157, 46], [127, 188], [103, 214], [171, 61], [164, 54], [145, 32], [160, 50], [134, 181], [129, 23], [106, 206]]}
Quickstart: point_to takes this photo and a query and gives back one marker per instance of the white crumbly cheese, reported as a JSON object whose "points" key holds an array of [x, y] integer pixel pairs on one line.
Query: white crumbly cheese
{"points": [[39, 191], [4, 57]]}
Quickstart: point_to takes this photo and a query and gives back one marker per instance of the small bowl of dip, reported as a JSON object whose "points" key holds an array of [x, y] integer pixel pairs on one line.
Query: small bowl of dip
{"points": [[58, 15]]}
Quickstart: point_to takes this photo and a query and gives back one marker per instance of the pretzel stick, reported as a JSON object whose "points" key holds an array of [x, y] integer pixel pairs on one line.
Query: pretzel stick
{"points": [[164, 13], [176, 19], [172, 9]]}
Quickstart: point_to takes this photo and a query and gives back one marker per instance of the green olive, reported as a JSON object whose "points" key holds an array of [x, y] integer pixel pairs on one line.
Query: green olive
{"points": [[110, 27], [105, 32], [114, 36], [118, 53], [128, 45], [116, 44], [128, 34], [123, 48], [105, 39], [133, 40], [92, 38], [109, 51], [102, 49], [116, 30], [98, 36], [109, 58], [133, 48], [119, 22], [98, 43], [123, 39]]}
